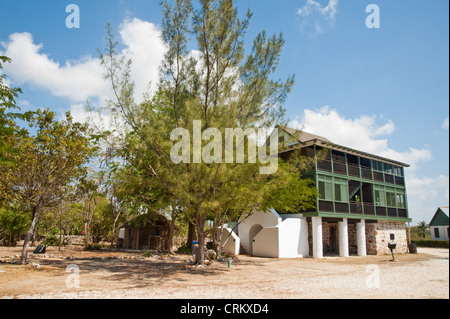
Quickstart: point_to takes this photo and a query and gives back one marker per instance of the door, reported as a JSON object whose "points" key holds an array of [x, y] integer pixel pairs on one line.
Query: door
{"points": [[333, 239]]}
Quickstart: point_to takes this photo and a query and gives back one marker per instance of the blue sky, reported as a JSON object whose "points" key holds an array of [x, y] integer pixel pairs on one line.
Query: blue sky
{"points": [[384, 90]]}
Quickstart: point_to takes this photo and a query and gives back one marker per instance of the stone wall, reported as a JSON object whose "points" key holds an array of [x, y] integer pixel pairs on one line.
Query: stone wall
{"points": [[378, 237]]}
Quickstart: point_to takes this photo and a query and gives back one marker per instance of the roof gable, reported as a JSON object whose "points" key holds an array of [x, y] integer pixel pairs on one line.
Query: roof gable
{"points": [[440, 218]]}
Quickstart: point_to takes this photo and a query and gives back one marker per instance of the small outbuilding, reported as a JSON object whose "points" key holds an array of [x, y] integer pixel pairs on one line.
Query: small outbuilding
{"points": [[145, 232], [439, 224]]}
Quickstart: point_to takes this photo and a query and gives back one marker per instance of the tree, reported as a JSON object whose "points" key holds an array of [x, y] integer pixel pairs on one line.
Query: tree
{"points": [[219, 87], [12, 224], [422, 229], [89, 195], [47, 163], [7, 119]]}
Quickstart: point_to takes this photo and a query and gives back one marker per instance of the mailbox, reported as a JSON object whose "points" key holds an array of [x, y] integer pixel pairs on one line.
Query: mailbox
{"points": [[392, 246]]}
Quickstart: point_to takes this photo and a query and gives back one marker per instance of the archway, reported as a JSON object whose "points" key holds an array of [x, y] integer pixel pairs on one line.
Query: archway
{"points": [[254, 230]]}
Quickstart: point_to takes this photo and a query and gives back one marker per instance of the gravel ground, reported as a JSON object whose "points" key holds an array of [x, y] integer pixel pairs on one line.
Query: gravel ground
{"points": [[121, 275]]}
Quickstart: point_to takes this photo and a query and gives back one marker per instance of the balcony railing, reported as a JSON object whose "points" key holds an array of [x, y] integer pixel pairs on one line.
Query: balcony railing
{"points": [[353, 170], [355, 208], [324, 165], [358, 208], [369, 209], [389, 178], [339, 167], [378, 176], [399, 181], [366, 172]]}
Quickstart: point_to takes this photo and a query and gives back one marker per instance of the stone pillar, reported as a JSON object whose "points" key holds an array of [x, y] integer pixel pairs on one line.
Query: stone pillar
{"points": [[317, 237], [343, 238], [361, 237]]}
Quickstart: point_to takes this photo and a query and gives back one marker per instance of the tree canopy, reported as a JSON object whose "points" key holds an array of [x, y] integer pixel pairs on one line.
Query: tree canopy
{"points": [[217, 86]]}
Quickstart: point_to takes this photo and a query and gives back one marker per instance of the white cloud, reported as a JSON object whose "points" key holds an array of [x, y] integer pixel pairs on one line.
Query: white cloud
{"points": [[311, 7], [369, 134], [84, 78], [76, 80], [425, 195], [317, 17], [445, 124], [146, 49], [363, 133]]}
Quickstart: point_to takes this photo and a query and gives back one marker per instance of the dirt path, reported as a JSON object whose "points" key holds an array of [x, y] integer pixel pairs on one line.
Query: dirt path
{"points": [[129, 275]]}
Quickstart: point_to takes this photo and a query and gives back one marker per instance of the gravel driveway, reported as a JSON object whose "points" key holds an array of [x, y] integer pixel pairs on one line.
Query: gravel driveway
{"points": [[419, 276]]}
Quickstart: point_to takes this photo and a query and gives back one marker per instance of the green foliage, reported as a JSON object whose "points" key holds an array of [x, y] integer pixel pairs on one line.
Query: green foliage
{"points": [[148, 253], [8, 127], [423, 229], [51, 240], [13, 223], [184, 250], [93, 246], [431, 243], [223, 88]]}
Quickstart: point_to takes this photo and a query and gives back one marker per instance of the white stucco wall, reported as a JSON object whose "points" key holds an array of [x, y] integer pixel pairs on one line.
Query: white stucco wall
{"points": [[293, 238], [265, 219], [266, 244], [230, 243], [271, 235]]}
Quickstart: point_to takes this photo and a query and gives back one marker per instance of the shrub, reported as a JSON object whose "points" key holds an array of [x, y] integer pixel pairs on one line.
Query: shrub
{"points": [[148, 253], [431, 243], [51, 240], [93, 247], [184, 250]]}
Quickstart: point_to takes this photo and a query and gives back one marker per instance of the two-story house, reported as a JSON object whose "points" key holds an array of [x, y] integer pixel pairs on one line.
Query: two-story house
{"points": [[361, 207]]}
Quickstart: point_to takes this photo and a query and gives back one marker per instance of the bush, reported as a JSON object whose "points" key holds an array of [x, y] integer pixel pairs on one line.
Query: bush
{"points": [[431, 243], [94, 246], [148, 253], [51, 240], [184, 250]]}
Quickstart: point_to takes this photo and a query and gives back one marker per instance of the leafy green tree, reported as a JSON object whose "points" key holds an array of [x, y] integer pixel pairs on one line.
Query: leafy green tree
{"points": [[13, 223], [218, 85], [8, 129], [47, 164], [423, 229]]}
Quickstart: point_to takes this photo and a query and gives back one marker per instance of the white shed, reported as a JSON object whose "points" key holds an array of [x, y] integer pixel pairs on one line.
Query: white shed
{"points": [[267, 234]]}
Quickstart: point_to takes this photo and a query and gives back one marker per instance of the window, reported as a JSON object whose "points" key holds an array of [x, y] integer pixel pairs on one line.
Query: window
{"points": [[390, 198], [400, 200], [377, 166], [380, 198], [340, 190], [436, 232], [325, 188]]}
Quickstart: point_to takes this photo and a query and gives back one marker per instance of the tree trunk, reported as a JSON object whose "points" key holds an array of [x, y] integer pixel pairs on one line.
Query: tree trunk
{"points": [[191, 235], [171, 232], [26, 244], [215, 242], [200, 256], [113, 231], [86, 233]]}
